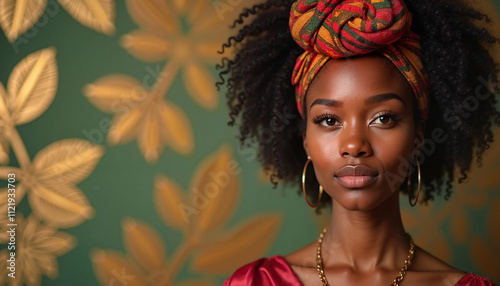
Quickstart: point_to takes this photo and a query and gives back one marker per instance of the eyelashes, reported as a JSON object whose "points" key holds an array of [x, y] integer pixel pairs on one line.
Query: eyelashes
{"points": [[324, 117], [386, 118], [389, 115]]}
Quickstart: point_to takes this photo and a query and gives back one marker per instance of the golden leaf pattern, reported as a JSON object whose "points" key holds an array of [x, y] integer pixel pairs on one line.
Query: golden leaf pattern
{"points": [[18, 16], [143, 114], [169, 199], [115, 93], [146, 46], [144, 244], [48, 180], [53, 196], [32, 86], [199, 84], [214, 186], [176, 129], [37, 246], [95, 14], [485, 252], [4, 218], [243, 246], [161, 38], [60, 205], [112, 267], [199, 214], [4, 118], [68, 161]]}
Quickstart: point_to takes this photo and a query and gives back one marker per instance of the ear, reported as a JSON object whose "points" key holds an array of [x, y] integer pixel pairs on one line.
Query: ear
{"points": [[304, 143]]}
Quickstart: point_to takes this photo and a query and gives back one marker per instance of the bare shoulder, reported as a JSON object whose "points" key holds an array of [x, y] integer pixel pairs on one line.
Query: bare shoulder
{"points": [[303, 257], [430, 270]]}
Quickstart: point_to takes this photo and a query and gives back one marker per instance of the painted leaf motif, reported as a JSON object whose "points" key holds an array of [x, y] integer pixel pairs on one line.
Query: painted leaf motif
{"points": [[32, 85], [436, 244], [4, 219], [484, 258], [4, 102], [115, 93], [181, 5], [20, 192], [215, 21], [67, 161], [147, 46], [4, 145], [460, 226], [111, 267], [17, 16], [176, 129], [216, 182], [144, 244], [197, 8], [149, 140], [153, 15], [492, 180], [199, 83], [493, 220], [4, 117], [169, 202], [4, 256], [98, 15], [40, 244], [247, 243], [125, 127], [208, 51], [60, 205], [46, 239]]}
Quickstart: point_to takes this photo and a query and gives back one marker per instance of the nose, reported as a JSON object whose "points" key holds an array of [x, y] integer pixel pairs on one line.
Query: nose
{"points": [[354, 143]]}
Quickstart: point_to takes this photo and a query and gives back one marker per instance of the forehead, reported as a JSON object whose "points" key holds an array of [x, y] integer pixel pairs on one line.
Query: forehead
{"points": [[363, 76]]}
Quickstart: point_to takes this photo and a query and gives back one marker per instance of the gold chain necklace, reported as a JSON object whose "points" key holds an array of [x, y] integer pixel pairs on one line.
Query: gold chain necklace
{"points": [[399, 278]]}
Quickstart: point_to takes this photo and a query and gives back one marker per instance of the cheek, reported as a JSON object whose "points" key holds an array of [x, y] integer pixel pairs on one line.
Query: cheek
{"points": [[394, 153], [323, 149]]}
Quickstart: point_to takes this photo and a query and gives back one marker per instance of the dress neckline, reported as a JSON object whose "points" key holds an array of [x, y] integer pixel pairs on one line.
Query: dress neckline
{"points": [[466, 278]]}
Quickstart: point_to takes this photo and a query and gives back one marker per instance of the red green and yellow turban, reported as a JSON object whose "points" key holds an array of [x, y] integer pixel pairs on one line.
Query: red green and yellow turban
{"points": [[333, 29]]}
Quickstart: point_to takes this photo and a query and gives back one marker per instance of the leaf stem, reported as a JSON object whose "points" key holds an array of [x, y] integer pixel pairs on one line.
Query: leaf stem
{"points": [[165, 78], [6, 170], [179, 257], [19, 149]]}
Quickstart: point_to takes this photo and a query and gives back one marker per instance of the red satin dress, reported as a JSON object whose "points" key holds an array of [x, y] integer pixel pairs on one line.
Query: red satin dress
{"points": [[275, 271]]}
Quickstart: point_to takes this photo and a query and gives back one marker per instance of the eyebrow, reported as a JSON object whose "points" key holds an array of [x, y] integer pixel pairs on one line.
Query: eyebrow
{"points": [[371, 100], [383, 97], [327, 102]]}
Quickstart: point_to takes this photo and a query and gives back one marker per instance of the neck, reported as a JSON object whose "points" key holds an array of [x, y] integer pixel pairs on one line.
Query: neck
{"points": [[366, 240]]}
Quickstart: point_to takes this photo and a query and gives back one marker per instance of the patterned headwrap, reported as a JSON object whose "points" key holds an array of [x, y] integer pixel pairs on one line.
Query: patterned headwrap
{"points": [[333, 29]]}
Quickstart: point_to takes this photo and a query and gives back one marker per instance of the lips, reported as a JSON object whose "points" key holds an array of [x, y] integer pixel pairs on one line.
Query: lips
{"points": [[356, 176]]}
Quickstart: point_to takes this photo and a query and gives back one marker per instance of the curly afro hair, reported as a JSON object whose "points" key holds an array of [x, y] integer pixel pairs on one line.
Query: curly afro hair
{"points": [[463, 78]]}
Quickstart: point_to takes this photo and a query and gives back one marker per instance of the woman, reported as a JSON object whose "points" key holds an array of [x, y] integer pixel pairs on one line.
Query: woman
{"points": [[374, 82]]}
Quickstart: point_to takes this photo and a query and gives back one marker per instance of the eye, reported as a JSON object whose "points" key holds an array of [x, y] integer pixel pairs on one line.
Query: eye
{"points": [[383, 119], [387, 118], [326, 120]]}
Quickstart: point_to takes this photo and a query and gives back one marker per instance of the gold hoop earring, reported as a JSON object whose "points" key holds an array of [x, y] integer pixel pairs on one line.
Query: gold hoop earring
{"points": [[304, 186], [418, 188]]}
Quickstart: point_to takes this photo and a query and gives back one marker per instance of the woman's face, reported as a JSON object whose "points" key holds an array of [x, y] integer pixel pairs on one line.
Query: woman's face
{"points": [[360, 130]]}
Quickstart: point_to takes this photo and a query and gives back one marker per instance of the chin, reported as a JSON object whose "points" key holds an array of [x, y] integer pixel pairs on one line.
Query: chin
{"points": [[359, 200]]}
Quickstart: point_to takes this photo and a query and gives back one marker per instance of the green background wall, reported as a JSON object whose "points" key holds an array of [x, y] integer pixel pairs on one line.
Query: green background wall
{"points": [[126, 238]]}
